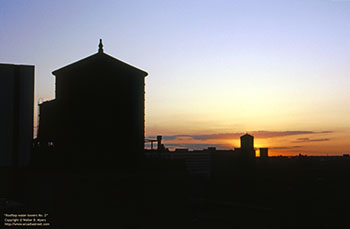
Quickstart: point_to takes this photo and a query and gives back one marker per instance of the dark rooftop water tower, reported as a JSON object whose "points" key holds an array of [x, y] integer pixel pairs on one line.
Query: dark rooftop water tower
{"points": [[247, 146], [97, 117]]}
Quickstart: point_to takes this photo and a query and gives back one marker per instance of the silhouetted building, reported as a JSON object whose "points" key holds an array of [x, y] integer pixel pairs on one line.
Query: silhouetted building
{"points": [[98, 114], [204, 162], [247, 146], [16, 116], [222, 161], [264, 152], [197, 162], [208, 162], [160, 146]]}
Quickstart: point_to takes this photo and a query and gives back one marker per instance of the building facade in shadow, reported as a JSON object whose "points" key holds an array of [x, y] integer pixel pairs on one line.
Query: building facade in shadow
{"points": [[16, 116], [97, 117]]}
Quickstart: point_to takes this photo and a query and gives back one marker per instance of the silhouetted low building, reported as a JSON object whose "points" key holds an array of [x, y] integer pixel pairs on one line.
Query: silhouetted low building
{"points": [[197, 162], [206, 162], [210, 162], [16, 116]]}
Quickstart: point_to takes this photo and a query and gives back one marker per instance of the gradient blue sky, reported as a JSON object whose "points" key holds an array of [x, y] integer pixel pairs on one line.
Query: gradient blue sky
{"points": [[214, 66]]}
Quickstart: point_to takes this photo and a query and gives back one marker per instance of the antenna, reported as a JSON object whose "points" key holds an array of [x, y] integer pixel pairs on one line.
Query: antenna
{"points": [[100, 47]]}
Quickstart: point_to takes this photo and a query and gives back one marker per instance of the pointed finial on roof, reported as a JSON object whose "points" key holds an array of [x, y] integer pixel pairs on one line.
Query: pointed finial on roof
{"points": [[100, 47]]}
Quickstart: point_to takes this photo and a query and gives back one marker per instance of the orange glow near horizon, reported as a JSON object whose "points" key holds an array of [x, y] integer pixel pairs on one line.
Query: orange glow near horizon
{"points": [[213, 68], [313, 143]]}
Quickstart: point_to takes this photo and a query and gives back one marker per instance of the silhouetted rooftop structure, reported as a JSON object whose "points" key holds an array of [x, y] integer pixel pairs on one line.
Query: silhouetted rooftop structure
{"points": [[264, 152], [247, 146], [100, 57], [98, 114], [16, 116]]}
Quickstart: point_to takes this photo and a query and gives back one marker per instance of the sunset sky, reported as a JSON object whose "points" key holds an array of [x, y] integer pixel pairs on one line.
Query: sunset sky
{"points": [[277, 69]]}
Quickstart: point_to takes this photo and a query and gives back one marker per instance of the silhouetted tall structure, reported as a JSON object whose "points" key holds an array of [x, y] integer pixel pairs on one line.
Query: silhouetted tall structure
{"points": [[16, 116], [98, 114], [247, 146], [264, 152]]}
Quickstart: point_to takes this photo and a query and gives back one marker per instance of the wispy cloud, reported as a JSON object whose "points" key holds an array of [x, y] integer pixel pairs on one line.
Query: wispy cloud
{"points": [[195, 146], [172, 137], [257, 134], [286, 147], [311, 140], [273, 134]]}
